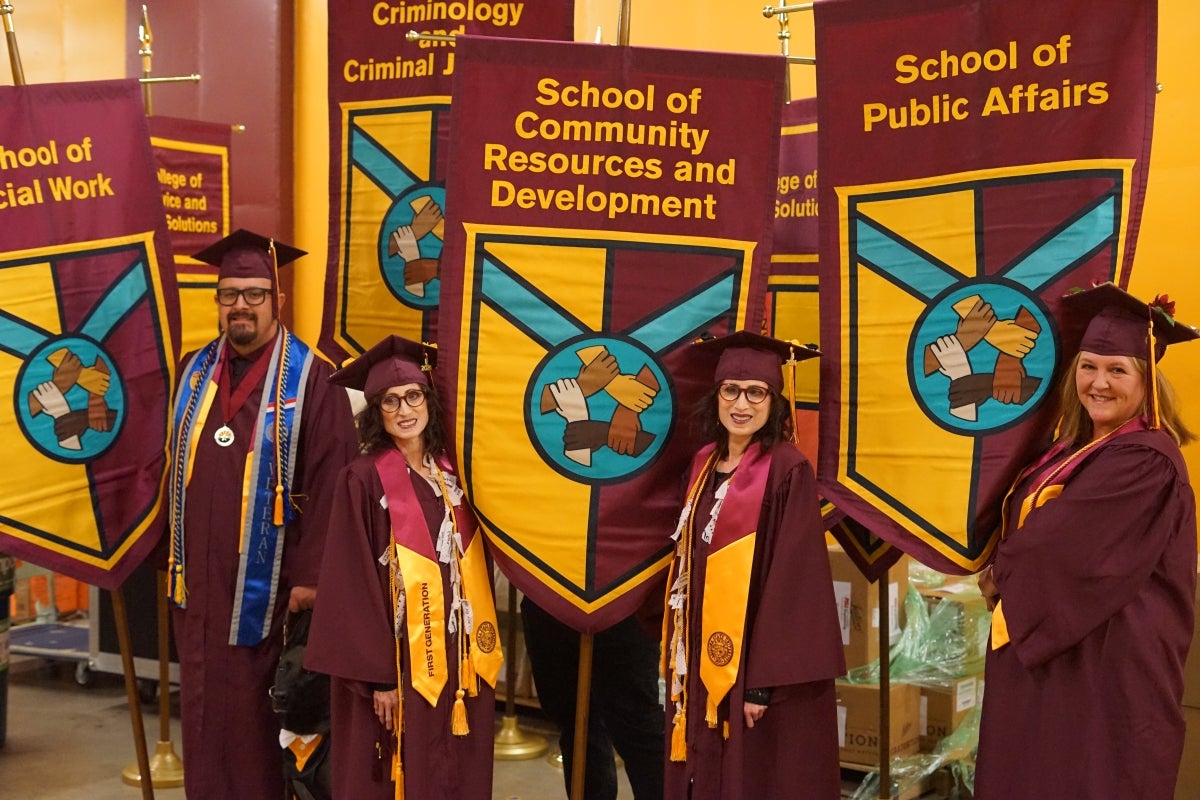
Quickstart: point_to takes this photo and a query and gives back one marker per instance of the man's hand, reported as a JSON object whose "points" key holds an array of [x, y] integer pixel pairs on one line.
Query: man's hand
{"points": [[1006, 383], [302, 597]]}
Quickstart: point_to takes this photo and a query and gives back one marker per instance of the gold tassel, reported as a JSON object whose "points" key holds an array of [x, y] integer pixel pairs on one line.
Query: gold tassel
{"points": [[398, 775], [278, 504], [679, 737], [470, 677], [458, 717], [179, 595]]}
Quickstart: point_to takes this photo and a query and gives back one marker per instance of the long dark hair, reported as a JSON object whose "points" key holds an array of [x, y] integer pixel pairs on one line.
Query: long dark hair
{"points": [[706, 421], [373, 436]]}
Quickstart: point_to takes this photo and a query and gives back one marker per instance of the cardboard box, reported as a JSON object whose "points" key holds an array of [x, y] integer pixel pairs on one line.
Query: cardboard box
{"points": [[20, 606], [858, 606], [858, 721], [943, 706]]}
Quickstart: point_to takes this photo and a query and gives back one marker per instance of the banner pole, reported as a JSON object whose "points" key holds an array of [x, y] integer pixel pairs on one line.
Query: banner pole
{"points": [[131, 693], [885, 688], [512, 743], [146, 52], [583, 707], [623, 22], [166, 768], [14, 55]]}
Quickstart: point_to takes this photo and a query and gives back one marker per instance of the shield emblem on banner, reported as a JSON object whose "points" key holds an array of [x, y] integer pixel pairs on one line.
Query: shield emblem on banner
{"points": [[569, 392], [84, 367], [391, 227], [950, 291]]}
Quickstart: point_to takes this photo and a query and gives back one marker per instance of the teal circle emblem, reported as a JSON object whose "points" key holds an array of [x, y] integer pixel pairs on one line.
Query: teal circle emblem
{"points": [[399, 217], [576, 434], [70, 399], [993, 382]]}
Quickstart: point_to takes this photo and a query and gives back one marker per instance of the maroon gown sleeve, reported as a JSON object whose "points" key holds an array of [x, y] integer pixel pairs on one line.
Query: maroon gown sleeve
{"points": [[794, 632], [352, 634], [327, 443], [1083, 556]]}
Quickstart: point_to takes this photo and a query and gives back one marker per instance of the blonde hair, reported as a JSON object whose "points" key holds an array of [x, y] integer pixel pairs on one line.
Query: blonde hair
{"points": [[1076, 426]]}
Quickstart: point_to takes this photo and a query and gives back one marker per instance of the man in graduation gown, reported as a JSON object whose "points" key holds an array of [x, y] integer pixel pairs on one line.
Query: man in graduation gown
{"points": [[258, 437]]}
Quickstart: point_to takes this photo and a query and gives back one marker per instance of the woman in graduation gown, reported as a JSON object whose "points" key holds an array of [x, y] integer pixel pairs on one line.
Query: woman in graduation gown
{"points": [[1093, 581], [405, 622], [751, 642]]}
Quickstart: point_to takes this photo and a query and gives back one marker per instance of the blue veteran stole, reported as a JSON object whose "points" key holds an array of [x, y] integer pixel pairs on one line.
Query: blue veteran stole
{"points": [[267, 483]]}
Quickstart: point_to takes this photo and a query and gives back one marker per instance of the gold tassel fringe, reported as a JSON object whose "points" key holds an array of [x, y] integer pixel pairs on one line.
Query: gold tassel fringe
{"points": [[679, 737], [458, 717]]}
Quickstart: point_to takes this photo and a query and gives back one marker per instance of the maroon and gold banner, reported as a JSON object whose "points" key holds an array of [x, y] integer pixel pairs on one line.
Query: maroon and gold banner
{"points": [[611, 204], [192, 159], [978, 160], [389, 103], [793, 310], [88, 322]]}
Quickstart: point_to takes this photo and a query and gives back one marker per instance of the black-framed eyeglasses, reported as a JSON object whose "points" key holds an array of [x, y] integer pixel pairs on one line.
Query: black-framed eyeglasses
{"points": [[730, 392], [415, 398], [254, 296]]}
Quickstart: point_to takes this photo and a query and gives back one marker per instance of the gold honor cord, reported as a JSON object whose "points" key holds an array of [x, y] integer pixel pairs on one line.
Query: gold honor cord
{"points": [[279, 398]]}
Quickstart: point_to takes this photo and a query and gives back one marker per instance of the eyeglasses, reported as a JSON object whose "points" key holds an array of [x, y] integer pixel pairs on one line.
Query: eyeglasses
{"points": [[754, 394], [254, 296], [415, 398]]}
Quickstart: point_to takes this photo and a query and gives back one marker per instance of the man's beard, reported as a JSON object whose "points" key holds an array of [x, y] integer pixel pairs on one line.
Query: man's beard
{"points": [[242, 334]]}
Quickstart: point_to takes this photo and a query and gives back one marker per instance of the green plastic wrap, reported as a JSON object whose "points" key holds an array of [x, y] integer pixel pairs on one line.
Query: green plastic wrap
{"points": [[943, 639], [949, 771]]}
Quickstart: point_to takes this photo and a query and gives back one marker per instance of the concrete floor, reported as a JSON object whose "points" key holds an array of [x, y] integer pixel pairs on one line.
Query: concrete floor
{"points": [[71, 742]]}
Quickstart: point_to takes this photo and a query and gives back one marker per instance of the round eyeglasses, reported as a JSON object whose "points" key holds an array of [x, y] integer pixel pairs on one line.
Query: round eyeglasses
{"points": [[415, 398], [730, 392], [254, 296]]}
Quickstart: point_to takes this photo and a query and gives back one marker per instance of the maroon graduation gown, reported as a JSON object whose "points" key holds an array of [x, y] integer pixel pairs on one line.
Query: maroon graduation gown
{"points": [[352, 640], [1097, 590], [230, 735], [792, 644]]}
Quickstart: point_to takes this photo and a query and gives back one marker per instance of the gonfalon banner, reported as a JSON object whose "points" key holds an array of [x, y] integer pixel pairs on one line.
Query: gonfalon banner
{"points": [[388, 136], [192, 160], [793, 309], [611, 205], [88, 321], [978, 160]]}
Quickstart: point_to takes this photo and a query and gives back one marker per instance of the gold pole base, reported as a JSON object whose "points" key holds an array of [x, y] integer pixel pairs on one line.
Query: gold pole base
{"points": [[166, 769], [513, 744]]}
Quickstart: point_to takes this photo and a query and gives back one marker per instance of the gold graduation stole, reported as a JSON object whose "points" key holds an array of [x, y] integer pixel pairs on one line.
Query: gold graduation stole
{"points": [[471, 614], [1045, 490], [730, 532]]}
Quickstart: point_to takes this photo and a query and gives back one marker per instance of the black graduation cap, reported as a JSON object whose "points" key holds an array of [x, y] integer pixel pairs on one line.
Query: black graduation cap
{"points": [[394, 361]]}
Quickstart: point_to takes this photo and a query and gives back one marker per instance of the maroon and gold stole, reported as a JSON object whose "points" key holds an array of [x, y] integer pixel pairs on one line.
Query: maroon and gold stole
{"points": [[731, 534], [1053, 471], [417, 592]]}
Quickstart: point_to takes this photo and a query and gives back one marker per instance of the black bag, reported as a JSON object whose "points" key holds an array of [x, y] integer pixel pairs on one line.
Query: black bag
{"points": [[300, 697]]}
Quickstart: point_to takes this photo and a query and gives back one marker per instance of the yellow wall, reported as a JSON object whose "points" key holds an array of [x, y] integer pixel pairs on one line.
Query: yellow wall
{"points": [[86, 40]]}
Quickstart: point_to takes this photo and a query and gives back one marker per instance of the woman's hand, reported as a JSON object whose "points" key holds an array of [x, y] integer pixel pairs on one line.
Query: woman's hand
{"points": [[988, 588], [386, 705], [753, 712]]}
